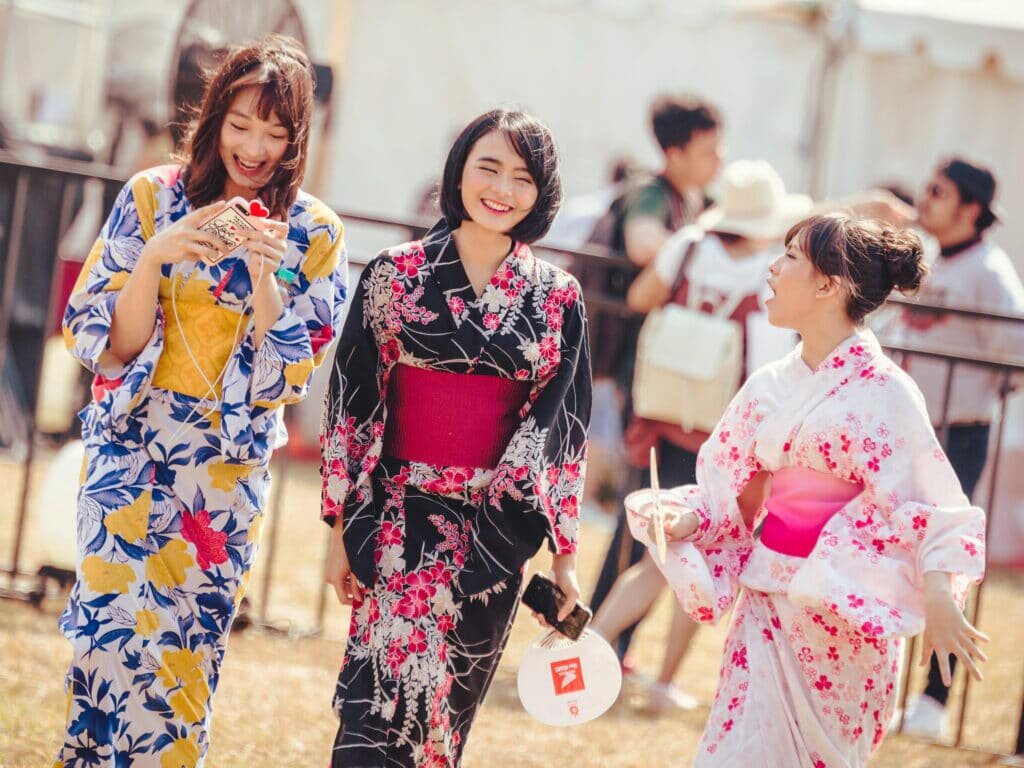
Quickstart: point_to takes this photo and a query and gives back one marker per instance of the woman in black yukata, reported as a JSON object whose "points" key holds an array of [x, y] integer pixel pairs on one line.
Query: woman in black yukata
{"points": [[454, 445]]}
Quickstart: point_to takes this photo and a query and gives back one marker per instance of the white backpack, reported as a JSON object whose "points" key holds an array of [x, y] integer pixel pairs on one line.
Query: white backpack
{"points": [[689, 363]]}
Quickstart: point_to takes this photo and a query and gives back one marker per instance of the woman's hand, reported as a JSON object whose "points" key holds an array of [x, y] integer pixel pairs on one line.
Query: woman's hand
{"points": [[182, 241], [678, 520], [266, 247], [338, 572], [563, 568], [946, 631], [563, 572]]}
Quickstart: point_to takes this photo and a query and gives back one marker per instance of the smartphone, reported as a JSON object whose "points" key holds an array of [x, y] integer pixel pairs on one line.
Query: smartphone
{"points": [[226, 228], [545, 597]]}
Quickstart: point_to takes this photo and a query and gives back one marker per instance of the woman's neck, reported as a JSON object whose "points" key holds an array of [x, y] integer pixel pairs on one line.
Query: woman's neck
{"points": [[824, 336], [481, 247], [234, 190]]}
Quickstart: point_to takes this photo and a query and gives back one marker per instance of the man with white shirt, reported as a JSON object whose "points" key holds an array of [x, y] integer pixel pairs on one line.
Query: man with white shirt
{"points": [[971, 271]]}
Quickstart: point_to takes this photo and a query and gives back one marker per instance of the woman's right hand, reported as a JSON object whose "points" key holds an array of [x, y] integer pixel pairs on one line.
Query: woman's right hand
{"points": [[339, 573], [182, 241]]}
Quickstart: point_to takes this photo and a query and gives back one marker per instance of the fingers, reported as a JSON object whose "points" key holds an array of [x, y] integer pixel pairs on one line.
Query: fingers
{"points": [[926, 651], [347, 588], [966, 659], [273, 227], [341, 590], [201, 214], [572, 595], [269, 246], [944, 670]]}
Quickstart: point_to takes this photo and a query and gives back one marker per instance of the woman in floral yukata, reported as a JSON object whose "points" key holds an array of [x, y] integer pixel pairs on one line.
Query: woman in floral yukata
{"points": [[193, 362], [865, 536], [454, 446]]}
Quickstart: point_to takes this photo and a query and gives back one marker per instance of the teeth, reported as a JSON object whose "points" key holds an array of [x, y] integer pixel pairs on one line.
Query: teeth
{"points": [[249, 166], [497, 206]]}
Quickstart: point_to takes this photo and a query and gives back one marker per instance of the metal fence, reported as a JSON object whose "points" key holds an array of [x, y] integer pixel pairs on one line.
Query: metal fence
{"points": [[37, 204]]}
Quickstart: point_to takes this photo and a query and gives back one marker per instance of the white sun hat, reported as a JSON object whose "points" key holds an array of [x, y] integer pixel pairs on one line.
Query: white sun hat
{"points": [[754, 203]]}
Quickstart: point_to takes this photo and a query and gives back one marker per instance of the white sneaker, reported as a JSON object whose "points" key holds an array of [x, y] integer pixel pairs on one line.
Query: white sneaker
{"points": [[926, 718], [665, 696]]}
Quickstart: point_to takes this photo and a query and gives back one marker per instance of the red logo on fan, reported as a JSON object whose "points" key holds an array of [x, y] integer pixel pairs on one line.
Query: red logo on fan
{"points": [[567, 675]]}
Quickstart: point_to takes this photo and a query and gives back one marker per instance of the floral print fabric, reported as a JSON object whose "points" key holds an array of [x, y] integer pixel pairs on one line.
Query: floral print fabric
{"points": [[442, 548], [808, 676], [175, 478]]}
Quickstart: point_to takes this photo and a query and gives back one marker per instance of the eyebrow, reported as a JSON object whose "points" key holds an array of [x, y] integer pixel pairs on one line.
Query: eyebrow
{"points": [[236, 113]]}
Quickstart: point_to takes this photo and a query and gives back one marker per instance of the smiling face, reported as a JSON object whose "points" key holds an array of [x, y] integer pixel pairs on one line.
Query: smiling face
{"points": [[250, 147], [497, 189], [797, 289]]}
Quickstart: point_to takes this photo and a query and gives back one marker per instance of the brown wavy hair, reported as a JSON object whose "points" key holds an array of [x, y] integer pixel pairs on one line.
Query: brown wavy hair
{"points": [[278, 65]]}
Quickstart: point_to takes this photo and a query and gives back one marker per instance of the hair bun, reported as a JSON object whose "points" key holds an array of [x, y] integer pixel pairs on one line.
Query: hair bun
{"points": [[904, 258]]}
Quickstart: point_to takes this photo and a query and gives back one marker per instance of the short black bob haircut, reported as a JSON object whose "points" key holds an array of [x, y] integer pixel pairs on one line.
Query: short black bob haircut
{"points": [[533, 142]]}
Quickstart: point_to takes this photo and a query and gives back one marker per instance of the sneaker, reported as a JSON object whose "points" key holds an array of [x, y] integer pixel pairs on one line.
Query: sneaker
{"points": [[926, 718], [665, 696]]}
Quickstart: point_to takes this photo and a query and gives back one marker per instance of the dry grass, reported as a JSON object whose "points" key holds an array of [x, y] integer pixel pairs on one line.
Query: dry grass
{"points": [[273, 703]]}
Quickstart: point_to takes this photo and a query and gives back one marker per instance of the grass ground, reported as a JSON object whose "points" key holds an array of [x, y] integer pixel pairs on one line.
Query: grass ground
{"points": [[272, 708]]}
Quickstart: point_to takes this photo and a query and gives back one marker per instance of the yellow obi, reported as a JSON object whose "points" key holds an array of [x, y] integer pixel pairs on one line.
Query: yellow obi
{"points": [[209, 328]]}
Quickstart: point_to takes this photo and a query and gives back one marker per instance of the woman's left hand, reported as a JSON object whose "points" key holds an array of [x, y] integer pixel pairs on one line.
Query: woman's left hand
{"points": [[563, 572], [266, 247], [947, 631]]}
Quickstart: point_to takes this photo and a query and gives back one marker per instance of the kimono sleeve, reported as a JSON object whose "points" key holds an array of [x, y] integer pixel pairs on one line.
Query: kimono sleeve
{"points": [[295, 345], [353, 417], [538, 484], [89, 313], [912, 518], [704, 569]]}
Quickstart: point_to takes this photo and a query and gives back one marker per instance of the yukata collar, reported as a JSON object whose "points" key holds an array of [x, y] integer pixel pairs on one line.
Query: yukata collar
{"points": [[856, 357]]}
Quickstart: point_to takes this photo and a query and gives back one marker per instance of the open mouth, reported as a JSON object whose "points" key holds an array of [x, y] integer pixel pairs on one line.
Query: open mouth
{"points": [[494, 206], [249, 169]]}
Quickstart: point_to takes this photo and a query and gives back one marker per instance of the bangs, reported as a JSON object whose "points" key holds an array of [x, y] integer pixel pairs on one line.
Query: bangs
{"points": [[276, 97]]}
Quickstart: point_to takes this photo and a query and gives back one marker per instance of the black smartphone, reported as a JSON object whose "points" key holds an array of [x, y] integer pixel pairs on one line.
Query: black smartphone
{"points": [[545, 597]]}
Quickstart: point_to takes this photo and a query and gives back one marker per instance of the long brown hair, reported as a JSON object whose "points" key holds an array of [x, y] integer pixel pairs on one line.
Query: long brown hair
{"points": [[280, 68]]}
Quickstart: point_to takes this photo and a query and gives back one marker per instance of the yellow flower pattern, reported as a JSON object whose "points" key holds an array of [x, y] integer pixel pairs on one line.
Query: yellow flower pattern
{"points": [[131, 522], [105, 577], [167, 568]]}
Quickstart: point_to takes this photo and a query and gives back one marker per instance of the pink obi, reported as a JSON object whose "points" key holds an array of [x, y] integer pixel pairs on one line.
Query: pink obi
{"points": [[801, 502], [451, 419]]}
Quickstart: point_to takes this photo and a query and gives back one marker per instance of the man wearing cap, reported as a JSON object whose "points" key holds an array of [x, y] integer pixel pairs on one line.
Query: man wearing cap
{"points": [[957, 207]]}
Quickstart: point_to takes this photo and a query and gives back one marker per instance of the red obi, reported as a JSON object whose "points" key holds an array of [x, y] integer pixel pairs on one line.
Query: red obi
{"points": [[451, 419], [801, 502]]}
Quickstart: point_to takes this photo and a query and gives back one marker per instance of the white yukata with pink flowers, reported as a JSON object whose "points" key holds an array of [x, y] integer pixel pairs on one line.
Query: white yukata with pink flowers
{"points": [[810, 668]]}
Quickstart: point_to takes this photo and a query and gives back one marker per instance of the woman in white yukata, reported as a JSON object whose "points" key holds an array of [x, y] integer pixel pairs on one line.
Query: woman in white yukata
{"points": [[827, 511]]}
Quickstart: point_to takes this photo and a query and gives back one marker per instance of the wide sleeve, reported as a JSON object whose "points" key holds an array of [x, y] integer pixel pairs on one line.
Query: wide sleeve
{"points": [[295, 345], [704, 569], [912, 518], [537, 487], [354, 412], [118, 387]]}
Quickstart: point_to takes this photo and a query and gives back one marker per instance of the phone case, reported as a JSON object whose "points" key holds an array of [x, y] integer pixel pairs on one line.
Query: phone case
{"points": [[545, 597], [225, 229]]}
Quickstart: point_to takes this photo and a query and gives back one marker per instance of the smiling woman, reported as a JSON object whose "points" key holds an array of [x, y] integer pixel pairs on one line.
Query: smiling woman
{"points": [[454, 446], [194, 353]]}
